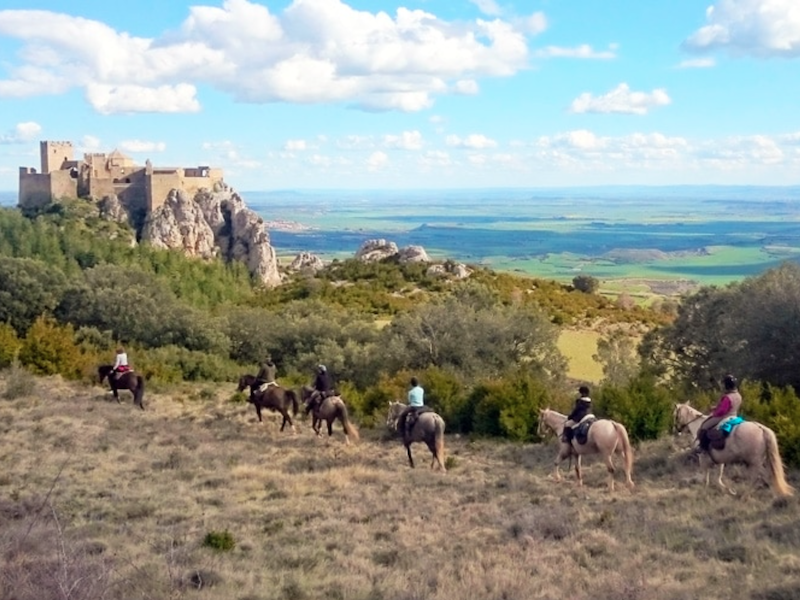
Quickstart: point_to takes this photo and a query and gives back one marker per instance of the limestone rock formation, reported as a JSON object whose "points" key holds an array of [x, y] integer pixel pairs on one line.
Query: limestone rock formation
{"points": [[214, 224], [111, 209], [307, 262], [376, 250], [457, 270], [412, 254]]}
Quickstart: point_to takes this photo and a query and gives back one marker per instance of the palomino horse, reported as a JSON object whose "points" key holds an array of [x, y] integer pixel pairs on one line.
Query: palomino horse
{"points": [[605, 438], [428, 428], [274, 398], [125, 381], [330, 409], [750, 443]]}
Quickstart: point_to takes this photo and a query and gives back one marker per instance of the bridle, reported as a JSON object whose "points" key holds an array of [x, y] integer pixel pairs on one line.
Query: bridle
{"points": [[677, 425]]}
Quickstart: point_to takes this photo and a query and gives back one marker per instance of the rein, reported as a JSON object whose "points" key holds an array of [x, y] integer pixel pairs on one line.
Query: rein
{"points": [[680, 426]]}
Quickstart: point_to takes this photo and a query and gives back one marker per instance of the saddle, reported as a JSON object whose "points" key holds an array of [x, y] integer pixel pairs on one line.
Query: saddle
{"points": [[717, 435], [406, 423], [581, 430], [263, 387]]}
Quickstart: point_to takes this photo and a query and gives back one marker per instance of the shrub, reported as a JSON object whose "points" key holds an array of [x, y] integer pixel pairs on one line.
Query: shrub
{"points": [[644, 408], [509, 407], [9, 345], [19, 383], [221, 541], [49, 348], [778, 409]]}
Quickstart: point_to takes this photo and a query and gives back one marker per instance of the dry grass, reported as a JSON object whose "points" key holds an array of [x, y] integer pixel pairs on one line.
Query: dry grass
{"points": [[99, 500]]}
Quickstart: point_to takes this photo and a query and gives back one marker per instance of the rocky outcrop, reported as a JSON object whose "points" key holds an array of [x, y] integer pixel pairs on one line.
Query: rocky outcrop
{"points": [[111, 209], [380, 249], [307, 262], [214, 224], [376, 250], [413, 254], [457, 270]]}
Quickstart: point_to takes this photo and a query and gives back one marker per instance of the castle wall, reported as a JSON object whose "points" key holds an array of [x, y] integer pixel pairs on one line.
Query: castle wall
{"points": [[159, 185], [63, 184], [34, 188]]}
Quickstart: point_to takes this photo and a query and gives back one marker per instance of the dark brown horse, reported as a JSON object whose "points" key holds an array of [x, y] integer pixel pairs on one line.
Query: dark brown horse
{"points": [[330, 409], [124, 381], [274, 398]]}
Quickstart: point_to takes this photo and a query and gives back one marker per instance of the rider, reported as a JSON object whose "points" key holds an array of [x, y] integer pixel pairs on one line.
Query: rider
{"points": [[266, 374], [120, 362], [728, 406], [323, 387], [583, 406], [416, 403]]}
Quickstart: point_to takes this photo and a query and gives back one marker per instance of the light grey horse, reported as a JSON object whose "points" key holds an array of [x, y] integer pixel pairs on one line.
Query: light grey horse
{"points": [[750, 443], [428, 428]]}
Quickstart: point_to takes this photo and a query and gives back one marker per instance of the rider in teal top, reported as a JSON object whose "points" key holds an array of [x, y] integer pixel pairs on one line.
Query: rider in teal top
{"points": [[416, 394]]}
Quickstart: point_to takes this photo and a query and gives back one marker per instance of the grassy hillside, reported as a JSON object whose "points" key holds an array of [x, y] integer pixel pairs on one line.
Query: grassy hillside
{"points": [[579, 346], [195, 499]]}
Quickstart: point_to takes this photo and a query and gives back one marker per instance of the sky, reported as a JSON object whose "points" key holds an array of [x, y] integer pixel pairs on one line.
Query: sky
{"points": [[402, 94]]}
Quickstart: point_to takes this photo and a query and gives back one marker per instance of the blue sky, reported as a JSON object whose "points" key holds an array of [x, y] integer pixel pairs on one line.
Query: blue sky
{"points": [[411, 94]]}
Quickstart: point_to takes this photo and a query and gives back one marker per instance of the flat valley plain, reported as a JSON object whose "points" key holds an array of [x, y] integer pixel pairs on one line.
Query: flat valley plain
{"points": [[193, 498], [661, 240]]}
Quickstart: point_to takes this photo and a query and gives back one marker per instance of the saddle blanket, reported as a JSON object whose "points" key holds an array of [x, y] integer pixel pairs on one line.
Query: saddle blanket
{"points": [[728, 425], [263, 387]]}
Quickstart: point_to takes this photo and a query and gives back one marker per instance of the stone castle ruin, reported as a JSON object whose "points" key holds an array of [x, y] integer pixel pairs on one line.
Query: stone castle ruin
{"points": [[140, 189]]}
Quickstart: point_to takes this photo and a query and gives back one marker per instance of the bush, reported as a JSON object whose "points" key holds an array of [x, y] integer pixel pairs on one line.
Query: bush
{"points": [[9, 345], [644, 408], [19, 383], [49, 348], [778, 409], [221, 541], [509, 407]]}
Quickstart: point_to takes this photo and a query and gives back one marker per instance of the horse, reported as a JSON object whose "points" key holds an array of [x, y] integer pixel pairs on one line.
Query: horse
{"points": [[605, 437], [330, 409], [128, 380], [274, 398], [429, 428], [750, 443]]}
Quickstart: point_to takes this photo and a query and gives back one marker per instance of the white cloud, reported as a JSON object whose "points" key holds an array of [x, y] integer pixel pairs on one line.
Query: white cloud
{"points": [[109, 99], [26, 131], [697, 63], [487, 7], [142, 146], [582, 51], [474, 141], [90, 143], [762, 28], [533, 24], [295, 145], [377, 160], [620, 100], [467, 87], [313, 51], [408, 140]]}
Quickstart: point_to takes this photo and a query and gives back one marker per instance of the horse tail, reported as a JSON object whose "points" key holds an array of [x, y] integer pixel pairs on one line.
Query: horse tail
{"points": [[138, 396], [293, 397], [349, 427], [775, 464], [627, 450], [438, 441]]}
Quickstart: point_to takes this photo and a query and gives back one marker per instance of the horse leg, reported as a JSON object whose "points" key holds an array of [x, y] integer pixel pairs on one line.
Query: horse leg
{"points": [[258, 412], [578, 472], [410, 460], [563, 452], [611, 471]]}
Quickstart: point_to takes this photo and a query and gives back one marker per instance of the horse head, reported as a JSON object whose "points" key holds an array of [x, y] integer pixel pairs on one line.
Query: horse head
{"points": [[104, 371], [682, 415], [395, 408]]}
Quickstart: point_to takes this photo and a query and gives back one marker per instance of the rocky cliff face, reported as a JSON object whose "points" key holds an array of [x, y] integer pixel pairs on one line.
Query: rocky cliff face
{"points": [[214, 224]]}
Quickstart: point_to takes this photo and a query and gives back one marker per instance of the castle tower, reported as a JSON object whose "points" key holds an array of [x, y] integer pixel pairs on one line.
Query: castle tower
{"points": [[54, 154]]}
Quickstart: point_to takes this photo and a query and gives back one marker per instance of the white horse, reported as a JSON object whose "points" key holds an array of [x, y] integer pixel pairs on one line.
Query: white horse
{"points": [[750, 443], [605, 437]]}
